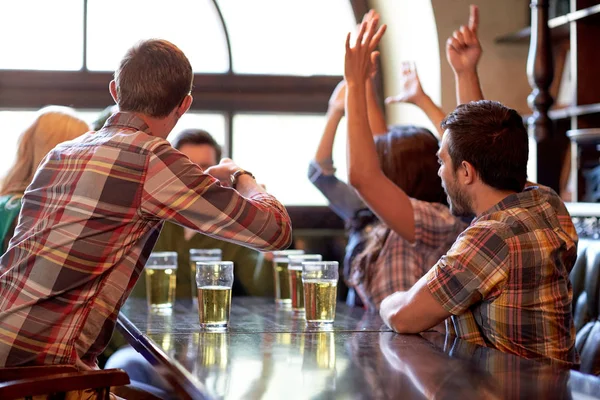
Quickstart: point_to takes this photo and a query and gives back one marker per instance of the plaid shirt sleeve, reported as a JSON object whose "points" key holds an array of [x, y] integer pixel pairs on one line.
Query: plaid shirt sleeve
{"points": [[177, 190], [475, 268]]}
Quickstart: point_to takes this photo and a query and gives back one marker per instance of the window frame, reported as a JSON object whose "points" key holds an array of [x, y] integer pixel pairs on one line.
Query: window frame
{"points": [[226, 93]]}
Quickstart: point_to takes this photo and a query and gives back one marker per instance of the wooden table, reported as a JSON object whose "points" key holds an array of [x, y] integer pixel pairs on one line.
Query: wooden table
{"points": [[267, 353]]}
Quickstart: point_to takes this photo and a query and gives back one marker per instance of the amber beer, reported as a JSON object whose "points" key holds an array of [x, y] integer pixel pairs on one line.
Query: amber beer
{"points": [[214, 280], [319, 298], [280, 276], [320, 292], [295, 279], [161, 280], [160, 287], [214, 305]]}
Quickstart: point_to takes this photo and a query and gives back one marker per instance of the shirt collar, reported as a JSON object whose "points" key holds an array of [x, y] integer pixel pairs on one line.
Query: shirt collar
{"points": [[127, 120], [531, 196]]}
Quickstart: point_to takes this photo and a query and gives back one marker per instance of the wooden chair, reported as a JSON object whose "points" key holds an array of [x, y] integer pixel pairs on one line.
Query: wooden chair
{"points": [[56, 380]]}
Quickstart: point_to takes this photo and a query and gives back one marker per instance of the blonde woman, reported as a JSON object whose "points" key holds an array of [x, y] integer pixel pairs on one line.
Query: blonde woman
{"points": [[53, 125]]}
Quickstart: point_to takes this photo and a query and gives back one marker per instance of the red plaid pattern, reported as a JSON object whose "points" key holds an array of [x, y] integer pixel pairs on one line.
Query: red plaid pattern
{"points": [[506, 279], [401, 264], [89, 221]]}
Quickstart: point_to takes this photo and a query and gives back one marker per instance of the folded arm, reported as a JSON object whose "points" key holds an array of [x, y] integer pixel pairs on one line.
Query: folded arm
{"points": [[179, 191]]}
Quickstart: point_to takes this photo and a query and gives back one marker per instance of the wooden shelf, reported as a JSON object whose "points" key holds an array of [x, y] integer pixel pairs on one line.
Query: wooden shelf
{"points": [[573, 111], [559, 26]]}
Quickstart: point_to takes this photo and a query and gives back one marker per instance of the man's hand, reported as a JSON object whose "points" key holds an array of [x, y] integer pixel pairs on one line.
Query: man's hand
{"points": [[337, 101], [411, 90], [360, 56], [223, 171], [463, 49]]}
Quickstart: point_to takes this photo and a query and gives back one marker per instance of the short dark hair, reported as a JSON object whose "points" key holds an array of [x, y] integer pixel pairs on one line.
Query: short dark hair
{"points": [[153, 78], [196, 137], [493, 139]]}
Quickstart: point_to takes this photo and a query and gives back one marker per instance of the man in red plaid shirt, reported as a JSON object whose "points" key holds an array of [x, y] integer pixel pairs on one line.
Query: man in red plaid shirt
{"points": [[94, 210]]}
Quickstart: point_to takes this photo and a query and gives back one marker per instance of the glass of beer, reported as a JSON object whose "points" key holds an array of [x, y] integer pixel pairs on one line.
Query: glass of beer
{"points": [[161, 278], [280, 275], [320, 280], [295, 278], [214, 280], [201, 255]]}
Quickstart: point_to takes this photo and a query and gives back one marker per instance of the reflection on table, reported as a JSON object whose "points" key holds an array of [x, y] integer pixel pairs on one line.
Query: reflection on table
{"points": [[269, 354]]}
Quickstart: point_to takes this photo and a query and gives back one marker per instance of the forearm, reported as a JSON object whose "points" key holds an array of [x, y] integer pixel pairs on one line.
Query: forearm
{"points": [[247, 186], [375, 113], [361, 151], [468, 87], [325, 149], [435, 114]]}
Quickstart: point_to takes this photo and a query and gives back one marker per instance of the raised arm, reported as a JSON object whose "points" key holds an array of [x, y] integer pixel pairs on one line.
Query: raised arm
{"points": [[179, 191], [342, 199], [335, 112], [463, 51], [375, 112], [382, 196], [412, 92]]}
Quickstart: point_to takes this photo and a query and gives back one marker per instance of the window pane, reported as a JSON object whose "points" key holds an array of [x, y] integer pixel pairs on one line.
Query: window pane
{"points": [[288, 37], [211, 123], [278, 148], [41, 34], [192, 25]]}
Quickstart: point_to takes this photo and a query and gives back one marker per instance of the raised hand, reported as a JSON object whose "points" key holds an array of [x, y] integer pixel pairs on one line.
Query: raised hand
{"points": [[361, 55], [411, 90], [337, 101], [463, 49]]}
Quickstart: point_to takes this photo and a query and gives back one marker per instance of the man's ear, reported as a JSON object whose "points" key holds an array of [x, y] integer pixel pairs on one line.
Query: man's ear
{"points": [[466, 173], [112, 88], [185, 105]]}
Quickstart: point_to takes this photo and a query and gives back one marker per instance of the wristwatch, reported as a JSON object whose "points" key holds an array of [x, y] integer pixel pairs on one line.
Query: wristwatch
{"points": [[236, 175]]}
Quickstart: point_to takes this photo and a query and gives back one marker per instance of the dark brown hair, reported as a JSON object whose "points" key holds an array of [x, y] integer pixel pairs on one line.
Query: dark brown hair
{"points": [[407, 155], [493, 139], [196, 137], [153, 78]]}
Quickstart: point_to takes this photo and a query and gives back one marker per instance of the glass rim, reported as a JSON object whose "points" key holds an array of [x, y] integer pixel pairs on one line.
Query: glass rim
{"points": [[208, 262], [295, 257], [206, 251], [314, 266], [163, 254], [288, 252]]}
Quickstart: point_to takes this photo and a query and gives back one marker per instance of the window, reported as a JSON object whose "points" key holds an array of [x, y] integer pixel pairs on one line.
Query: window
{"points": [[192, 25], [42, 35], [277, 148], [264, 70], [14, 122], [286, 37]]}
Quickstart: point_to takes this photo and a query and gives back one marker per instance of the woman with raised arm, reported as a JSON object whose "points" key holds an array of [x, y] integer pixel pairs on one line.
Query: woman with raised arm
{"points": [[419, 227]]}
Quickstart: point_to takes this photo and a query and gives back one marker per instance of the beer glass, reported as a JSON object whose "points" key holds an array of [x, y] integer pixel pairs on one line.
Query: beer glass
{"points": [[295, 278], [280, 275], [320, 280], [201, 255], [214, 280], [161, 278]]}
